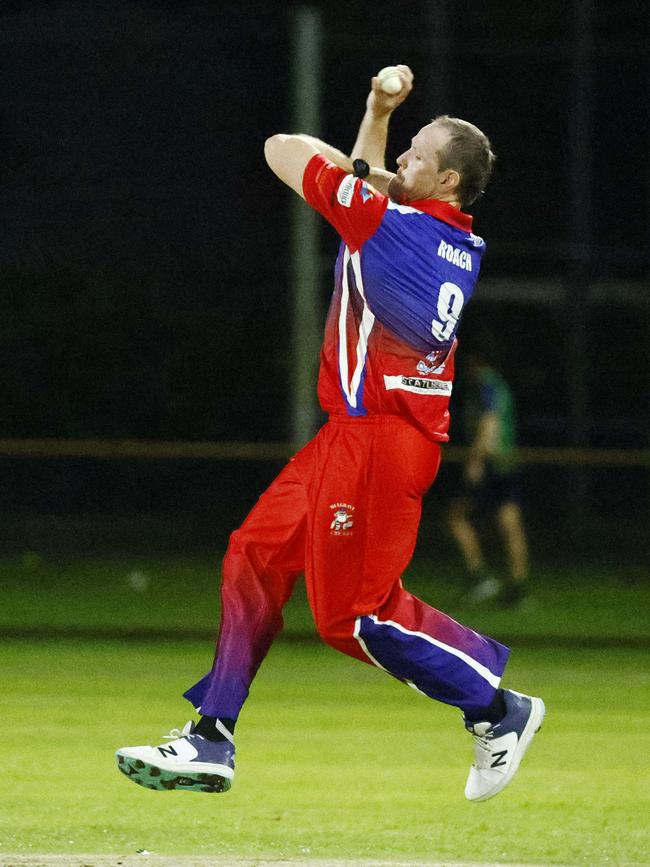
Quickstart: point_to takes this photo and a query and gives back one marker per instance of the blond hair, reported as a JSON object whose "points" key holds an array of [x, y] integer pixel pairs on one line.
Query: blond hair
{"points": [[467, 152]]}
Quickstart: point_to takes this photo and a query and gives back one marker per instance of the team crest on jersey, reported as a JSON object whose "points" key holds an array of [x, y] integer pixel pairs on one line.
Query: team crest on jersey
{"points": [[342, 520], [434, 362]]}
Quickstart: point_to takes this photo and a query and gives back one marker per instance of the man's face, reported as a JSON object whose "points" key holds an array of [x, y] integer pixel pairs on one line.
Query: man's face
{"points": [[418, 175]]}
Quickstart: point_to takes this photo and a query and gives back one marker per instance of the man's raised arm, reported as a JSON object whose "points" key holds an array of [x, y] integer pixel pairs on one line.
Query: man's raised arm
{"points": [[288, 155], [373, 131]]}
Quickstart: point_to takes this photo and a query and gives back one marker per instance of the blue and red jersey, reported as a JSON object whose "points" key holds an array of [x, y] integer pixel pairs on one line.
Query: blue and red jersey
{"points": [[403, 276]]}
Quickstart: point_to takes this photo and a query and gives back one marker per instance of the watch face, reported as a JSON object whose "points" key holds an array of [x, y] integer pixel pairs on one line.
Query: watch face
{"points": [[361, 168]]}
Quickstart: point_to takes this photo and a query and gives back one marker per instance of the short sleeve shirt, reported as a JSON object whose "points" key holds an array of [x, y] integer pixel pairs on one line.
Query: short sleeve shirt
{"points": [[402, 278]]}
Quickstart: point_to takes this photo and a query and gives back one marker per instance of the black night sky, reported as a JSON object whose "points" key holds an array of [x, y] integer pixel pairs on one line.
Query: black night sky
{"points": [[144, 256]]}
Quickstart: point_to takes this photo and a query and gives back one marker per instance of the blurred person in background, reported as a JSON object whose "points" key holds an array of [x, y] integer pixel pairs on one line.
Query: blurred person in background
{"points": [[489, 485]]}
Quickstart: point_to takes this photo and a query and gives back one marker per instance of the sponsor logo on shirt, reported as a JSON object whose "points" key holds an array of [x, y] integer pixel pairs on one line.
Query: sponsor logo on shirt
{"points": [[342, 520], [345, 191], [418, 385], [452, 254]]}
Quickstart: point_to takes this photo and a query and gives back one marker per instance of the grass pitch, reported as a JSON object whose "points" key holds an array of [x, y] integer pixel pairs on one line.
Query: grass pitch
{"points": [[336, 761], [591, 603]]}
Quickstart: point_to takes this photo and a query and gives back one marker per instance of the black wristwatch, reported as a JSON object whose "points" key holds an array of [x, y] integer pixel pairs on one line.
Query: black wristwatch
{"points": [[360, 168]]}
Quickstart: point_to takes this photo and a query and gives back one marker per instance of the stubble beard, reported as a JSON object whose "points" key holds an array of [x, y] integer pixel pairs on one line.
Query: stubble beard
{"points": [[396, 190]]}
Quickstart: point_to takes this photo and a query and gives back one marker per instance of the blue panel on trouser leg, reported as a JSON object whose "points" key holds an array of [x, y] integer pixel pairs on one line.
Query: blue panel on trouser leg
{"points": [[196, 693], [437, 672]]}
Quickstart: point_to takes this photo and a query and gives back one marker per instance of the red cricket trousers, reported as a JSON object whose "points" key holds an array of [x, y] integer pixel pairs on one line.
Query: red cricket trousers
{"points": [[345, 512]]}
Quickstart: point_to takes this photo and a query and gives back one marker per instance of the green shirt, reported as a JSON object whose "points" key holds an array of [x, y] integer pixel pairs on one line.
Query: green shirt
{"points": [[491, 393]]}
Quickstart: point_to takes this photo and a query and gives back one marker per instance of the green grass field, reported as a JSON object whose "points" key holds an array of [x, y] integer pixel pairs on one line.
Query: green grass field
{"points": [[594, 601], [335, 759]]}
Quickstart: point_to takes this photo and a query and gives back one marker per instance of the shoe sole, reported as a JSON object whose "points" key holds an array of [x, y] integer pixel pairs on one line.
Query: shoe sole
{"points": [[534, 724], [152, 777]]}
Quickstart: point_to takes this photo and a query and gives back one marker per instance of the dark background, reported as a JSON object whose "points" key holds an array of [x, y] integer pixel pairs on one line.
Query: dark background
{"points": [[144, 248]]}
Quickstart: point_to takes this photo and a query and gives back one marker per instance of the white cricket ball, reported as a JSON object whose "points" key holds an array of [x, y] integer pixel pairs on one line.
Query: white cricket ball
{"points": [[389, 80]]}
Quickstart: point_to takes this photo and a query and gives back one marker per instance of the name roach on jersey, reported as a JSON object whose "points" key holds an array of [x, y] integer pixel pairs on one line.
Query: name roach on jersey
{"points": [[452, 254]]}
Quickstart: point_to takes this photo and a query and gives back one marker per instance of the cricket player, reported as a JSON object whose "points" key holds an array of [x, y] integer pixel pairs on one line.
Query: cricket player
{"points": [[345, 510]]}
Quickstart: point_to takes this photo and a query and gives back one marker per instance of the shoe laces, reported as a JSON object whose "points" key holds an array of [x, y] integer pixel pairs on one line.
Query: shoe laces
{"points": [[174, 734], [482, 744]]}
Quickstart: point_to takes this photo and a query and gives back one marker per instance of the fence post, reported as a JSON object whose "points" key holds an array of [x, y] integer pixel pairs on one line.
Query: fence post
{"points": [[304, 246]]}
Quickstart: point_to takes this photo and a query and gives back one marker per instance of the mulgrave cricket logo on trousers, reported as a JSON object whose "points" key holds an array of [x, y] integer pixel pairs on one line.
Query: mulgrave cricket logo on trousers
{"points": [[342, 520]]}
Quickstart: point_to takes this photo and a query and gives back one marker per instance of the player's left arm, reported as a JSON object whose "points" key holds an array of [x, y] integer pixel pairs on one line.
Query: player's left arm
{"points": [[288, 155], [347, 202]]}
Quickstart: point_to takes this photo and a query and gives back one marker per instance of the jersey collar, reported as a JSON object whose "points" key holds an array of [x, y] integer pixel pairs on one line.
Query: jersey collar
{"points": [[445, 212]]}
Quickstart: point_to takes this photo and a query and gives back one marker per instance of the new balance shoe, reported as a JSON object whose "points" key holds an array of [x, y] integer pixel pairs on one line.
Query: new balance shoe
{"points": [[500, 747], [189, 762]]}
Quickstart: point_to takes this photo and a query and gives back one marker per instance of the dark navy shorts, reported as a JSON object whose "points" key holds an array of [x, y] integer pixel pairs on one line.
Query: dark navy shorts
{"points": [[495, 490]]}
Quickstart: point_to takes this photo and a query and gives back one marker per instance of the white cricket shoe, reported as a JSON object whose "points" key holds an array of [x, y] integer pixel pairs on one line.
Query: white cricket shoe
{"points": [[189, 762], [500, 747]]}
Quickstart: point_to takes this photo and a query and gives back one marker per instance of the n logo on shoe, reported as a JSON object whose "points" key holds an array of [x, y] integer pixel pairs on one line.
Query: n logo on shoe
{"points": [[167, 751], [499, 759]]}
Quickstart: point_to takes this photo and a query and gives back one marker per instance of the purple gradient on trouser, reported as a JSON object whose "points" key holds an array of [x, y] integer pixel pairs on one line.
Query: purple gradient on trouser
{"points": [[251, 618], [465, 675]]}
